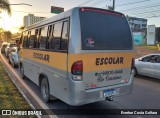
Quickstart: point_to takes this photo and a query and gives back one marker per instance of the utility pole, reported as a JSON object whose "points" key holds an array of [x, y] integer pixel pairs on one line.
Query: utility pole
{"points": [[113, 5]]}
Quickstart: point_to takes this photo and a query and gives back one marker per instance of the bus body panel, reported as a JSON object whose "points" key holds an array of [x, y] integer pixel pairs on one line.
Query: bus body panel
{"points": [[80, 96], [74, 45], [55, 71], [103, 70]]}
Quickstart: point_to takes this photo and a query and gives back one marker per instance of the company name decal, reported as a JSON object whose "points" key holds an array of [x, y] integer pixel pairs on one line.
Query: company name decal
{"points": [[108, 75], [41, 56], [110, 60]]}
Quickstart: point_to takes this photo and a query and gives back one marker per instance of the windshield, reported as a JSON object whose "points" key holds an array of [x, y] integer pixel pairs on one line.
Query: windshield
{"points": [[104, 30]]}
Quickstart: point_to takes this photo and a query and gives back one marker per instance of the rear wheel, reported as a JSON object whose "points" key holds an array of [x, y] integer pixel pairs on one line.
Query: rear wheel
{"points": [[136, 72], [45, 90]]}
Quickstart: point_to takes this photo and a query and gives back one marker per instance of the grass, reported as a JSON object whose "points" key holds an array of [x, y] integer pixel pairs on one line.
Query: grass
{"points": [[10, 97], [154, 47], [151, 47]]}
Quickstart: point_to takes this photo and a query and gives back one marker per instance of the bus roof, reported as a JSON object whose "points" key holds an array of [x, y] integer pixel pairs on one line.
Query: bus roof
{"points": [[63, 15]]}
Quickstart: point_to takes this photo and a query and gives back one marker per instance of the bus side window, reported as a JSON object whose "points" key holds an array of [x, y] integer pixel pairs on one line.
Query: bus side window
{"points": [[21, 40], [49, 36], [32, 39], [29, 35], [51, 46], [37, 36], [56, 37], [65, 35], [25, 40], [43, 38]]}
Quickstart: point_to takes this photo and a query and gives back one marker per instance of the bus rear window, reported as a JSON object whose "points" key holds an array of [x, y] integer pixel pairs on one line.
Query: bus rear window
{"points": [[104, 30]]}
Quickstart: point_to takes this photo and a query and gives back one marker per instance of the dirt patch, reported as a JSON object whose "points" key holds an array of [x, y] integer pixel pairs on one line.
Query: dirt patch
{"points": [[144, 50]]}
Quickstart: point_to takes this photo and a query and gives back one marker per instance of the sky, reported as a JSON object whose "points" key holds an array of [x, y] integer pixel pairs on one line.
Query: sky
{"points": [[149, 9]]}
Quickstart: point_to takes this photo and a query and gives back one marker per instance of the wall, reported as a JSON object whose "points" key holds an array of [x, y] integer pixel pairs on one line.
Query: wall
{"points": [[151, 35]]}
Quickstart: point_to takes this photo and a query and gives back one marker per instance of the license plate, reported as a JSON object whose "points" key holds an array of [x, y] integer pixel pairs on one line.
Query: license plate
{"points": [[109, 92]]}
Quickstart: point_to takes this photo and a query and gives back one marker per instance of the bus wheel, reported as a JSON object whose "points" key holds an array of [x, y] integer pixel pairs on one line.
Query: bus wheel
{"points": [[45, 90], [136, 72]]}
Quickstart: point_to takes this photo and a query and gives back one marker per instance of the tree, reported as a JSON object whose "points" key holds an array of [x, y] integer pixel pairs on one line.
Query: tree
{"points": [[5, 6], [7, 36], [21, 28], [1, 32]]}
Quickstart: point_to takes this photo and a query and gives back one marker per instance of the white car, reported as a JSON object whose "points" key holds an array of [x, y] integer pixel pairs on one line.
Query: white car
{"points": [[3, 47], [9, 48], [13, 57], [148, 65]]}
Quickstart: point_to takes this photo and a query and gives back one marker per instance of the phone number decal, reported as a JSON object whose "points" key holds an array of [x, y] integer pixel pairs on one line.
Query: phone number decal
{"points": [[108, 75]]}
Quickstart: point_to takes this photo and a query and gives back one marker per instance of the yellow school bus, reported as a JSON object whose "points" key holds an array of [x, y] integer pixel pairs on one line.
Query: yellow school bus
{"points": [[80, 56]]}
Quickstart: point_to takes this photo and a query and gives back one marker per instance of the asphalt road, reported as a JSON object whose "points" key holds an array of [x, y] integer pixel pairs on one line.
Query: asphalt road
{"points": [[145, 95]]}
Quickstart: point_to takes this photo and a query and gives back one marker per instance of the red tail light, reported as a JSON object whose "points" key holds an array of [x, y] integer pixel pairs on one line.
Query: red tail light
{"points": [[77, 68], [133, 63], [101, 11]]}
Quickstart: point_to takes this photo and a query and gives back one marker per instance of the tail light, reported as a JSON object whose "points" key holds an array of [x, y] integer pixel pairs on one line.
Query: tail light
{"points": [[77, 70], [101, 11]]}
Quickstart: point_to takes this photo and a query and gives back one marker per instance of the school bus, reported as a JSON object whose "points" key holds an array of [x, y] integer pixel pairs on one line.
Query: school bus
{"points": [[80, 56]]}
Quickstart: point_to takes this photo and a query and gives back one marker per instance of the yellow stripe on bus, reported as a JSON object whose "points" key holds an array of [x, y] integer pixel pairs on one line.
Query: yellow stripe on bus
{"points": [[56, 60], [91, 61], [96, 61]]}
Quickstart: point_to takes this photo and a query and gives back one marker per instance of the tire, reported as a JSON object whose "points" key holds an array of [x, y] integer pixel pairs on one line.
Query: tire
{"points": [[45, 93], [21, 69], [136, 72]]}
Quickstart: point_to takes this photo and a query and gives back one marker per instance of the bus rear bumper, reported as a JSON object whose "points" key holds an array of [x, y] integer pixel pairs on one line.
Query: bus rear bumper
{"points": [[80, 96]]}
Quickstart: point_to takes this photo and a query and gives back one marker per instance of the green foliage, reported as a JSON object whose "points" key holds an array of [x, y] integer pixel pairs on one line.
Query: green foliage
{"points": [[21, 28], [10, 98], [5, 6]]}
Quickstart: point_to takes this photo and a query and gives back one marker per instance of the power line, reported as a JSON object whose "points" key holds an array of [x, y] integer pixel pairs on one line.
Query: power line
{"points": [[145, 16], [149, 12], [29, 12], [132, 3], [137, 8], [84, 3], [98, 2], [145, 13], [153, 16]]}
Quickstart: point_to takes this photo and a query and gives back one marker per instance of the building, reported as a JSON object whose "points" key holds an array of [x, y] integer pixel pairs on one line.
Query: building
{"points": [[137, 24], [31, 19], [139, 29], [151, 35], [139, 38]]}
